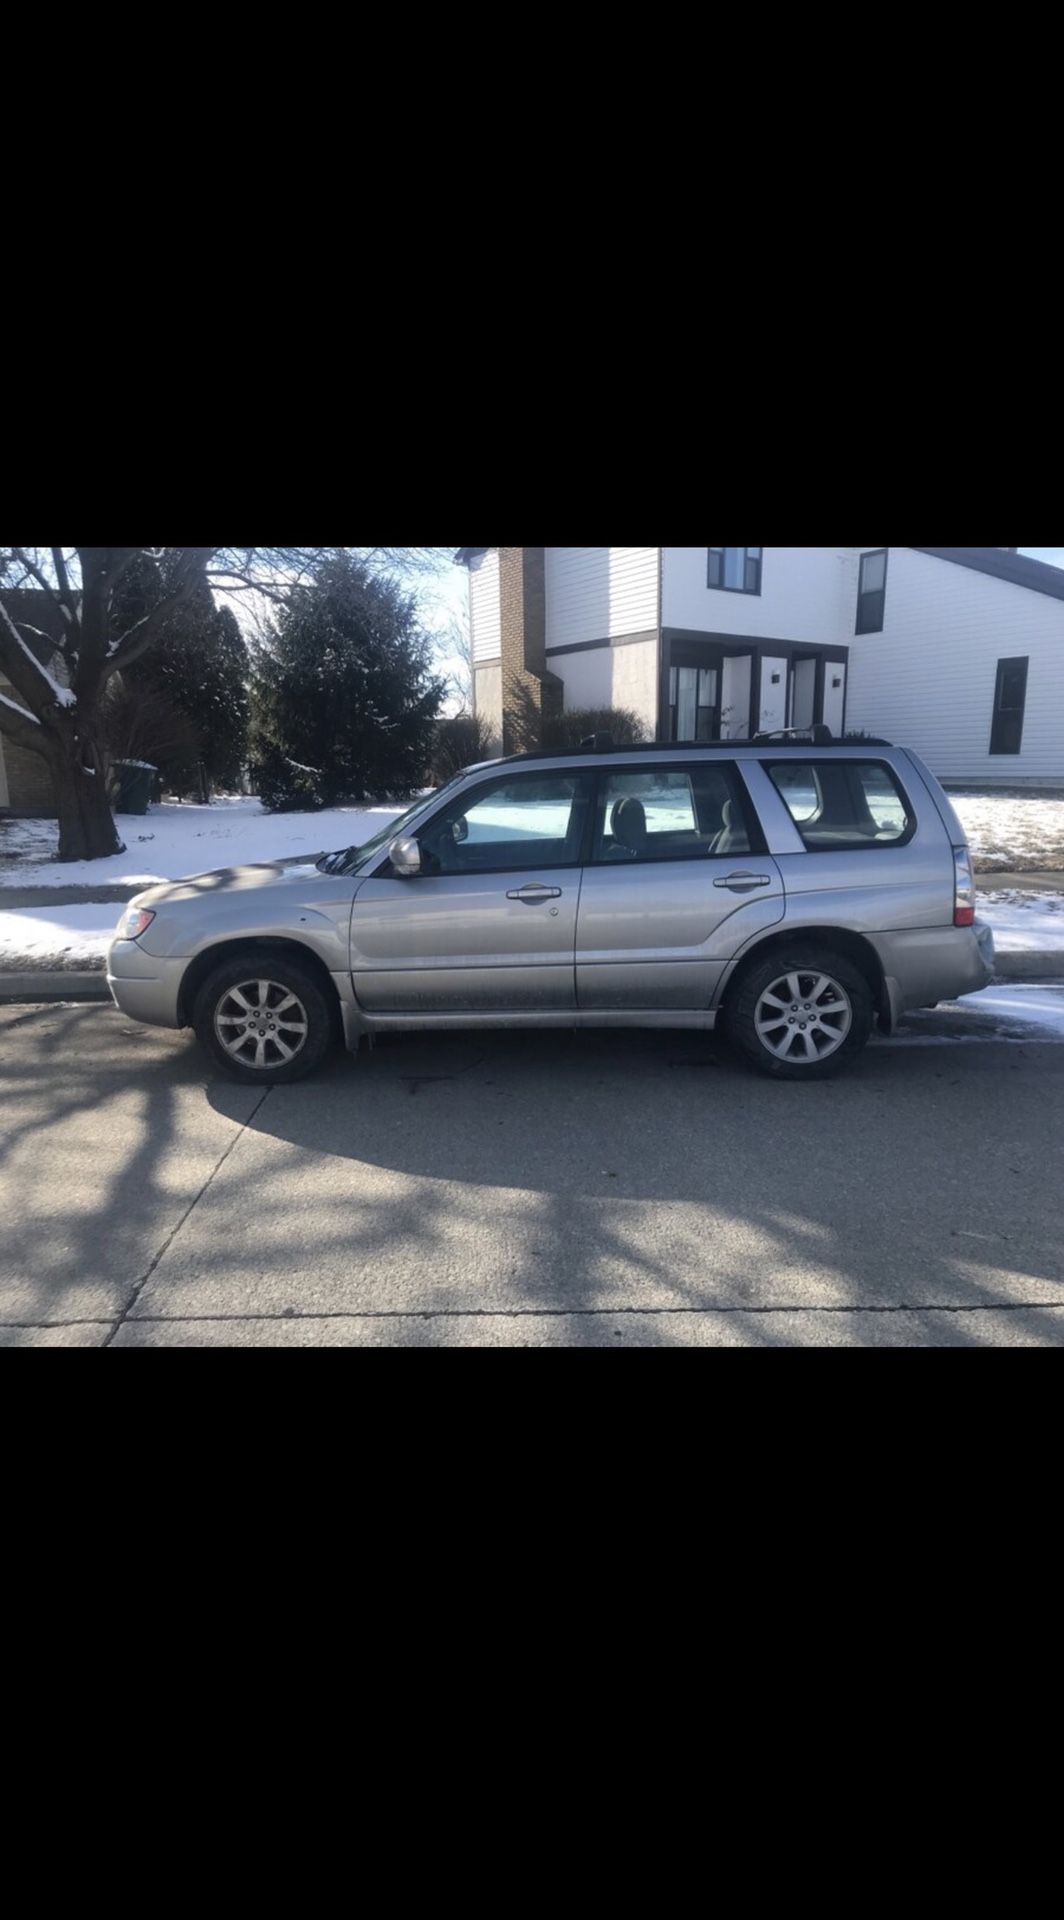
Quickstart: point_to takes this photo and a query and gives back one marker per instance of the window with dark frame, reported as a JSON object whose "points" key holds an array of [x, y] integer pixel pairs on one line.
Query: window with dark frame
{"points": [[735, 569], [1010, 701], [872, 592], [694, 703]]}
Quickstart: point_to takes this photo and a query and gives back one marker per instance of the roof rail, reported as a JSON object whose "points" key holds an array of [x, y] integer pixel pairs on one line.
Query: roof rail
{"points": [[817, 736], [821, 736]]}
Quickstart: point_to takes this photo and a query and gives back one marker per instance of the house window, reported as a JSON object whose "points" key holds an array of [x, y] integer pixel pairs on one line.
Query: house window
{"points": [[872, 592], [735, 569], [1010, 699], [694, 697]]}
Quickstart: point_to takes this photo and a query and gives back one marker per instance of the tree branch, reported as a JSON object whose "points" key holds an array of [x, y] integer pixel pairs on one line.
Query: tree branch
{"points": [[20, 725], [41, 580], [28, 677], [142, 633]]}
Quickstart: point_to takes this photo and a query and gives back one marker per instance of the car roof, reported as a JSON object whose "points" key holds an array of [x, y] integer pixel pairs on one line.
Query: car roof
{"points": [[682, 750]]}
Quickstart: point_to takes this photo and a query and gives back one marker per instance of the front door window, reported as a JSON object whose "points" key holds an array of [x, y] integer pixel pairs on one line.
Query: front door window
{"points": [[526, 821]]}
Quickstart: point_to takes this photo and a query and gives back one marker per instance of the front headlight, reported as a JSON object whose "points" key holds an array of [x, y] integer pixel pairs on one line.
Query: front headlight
{"points": [[134, 922]]}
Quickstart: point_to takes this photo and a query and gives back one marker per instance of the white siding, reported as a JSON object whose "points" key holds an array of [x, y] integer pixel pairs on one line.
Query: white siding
{"points": [[804, 591], [600, 593], [487, 701], [927, 681], [834, 696], [613, 677], [735, 698], [484, 605], [773, 699]]}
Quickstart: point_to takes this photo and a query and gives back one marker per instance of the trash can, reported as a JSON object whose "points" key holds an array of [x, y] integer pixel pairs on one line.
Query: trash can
{"points": [[135, 779]]}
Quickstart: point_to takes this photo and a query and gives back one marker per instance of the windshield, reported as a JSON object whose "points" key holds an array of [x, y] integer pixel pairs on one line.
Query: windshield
{"points": [[353, 859]]}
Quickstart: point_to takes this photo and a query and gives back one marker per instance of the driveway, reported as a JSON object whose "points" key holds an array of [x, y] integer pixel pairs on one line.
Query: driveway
{"points": [[587, 1189]]}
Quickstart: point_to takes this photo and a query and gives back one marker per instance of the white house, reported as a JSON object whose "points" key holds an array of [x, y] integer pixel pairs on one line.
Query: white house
{"points": [[957, 652]]}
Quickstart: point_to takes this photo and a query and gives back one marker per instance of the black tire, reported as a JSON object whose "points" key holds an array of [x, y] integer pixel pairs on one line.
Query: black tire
{"points": [[310, 1028], [823, 1026]]}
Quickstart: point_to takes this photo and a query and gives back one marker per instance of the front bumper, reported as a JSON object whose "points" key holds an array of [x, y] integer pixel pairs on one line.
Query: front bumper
{"points": [[143, 986]]}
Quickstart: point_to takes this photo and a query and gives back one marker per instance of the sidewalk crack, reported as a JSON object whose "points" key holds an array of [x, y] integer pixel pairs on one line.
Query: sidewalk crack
{"points": [[139, 1285]]}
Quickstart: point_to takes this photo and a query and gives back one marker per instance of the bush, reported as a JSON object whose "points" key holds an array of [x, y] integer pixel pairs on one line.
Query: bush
{"points": [[460, 742], [283, 786], [568, 729]]}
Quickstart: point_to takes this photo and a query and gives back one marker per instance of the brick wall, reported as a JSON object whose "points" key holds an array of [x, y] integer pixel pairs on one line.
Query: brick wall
{"points": [[29, 783], [529, 692]]}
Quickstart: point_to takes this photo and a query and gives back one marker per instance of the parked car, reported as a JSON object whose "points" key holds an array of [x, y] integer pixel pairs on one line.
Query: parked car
{"points": [[795, 893]]}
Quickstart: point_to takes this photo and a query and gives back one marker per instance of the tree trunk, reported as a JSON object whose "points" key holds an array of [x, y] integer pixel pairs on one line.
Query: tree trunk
{"points": [[86, 824]]}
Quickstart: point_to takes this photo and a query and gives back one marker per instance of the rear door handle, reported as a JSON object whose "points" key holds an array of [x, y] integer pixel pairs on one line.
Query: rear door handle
{"points": [[744, 882], [534, 893]]}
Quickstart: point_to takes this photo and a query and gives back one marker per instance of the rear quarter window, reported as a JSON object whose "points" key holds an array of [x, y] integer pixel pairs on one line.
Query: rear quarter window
{"points": [[844, 805]]}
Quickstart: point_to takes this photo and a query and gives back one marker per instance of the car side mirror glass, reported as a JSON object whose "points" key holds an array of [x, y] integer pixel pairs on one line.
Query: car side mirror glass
{"points": [[405, 856]]}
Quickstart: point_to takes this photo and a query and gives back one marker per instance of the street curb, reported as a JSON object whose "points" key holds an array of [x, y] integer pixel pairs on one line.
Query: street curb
{"points": [[54, 983], [1029, 966]]}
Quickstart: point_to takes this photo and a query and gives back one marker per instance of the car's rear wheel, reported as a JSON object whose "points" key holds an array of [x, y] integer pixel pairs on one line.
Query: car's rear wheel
{"points": [[801, 1013], [263, 1019]]}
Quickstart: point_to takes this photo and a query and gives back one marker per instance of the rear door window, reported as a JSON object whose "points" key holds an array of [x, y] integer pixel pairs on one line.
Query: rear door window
{"points": [[670, 813], [842, 805]]}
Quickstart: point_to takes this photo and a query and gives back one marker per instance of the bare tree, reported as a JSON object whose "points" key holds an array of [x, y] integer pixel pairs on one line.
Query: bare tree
{"points": [[456, 645], [63, 723]]}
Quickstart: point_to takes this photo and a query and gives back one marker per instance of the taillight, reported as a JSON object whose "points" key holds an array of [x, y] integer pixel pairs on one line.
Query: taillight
{"points": [[963, 888]]}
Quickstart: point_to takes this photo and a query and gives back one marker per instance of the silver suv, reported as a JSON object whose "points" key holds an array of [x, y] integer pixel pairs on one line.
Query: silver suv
{"points": [[793, 893]]}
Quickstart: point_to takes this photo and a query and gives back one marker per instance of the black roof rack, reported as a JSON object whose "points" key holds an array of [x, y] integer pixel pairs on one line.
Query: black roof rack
{"points": [[817, 736]]}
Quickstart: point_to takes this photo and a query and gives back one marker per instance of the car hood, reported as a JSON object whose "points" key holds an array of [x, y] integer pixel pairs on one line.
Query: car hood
{"points": [[299, 874]]}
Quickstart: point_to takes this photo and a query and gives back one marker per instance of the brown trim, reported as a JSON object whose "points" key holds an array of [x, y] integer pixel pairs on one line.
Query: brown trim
{"points": [[746, 642]]}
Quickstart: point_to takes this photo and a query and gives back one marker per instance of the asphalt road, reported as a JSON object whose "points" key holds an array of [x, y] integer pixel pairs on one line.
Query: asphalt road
{"points": [[528, 1190]]}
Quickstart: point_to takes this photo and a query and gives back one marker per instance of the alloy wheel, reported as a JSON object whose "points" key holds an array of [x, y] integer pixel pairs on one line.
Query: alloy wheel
{"points": [[261, 1023], [803, 1016]]}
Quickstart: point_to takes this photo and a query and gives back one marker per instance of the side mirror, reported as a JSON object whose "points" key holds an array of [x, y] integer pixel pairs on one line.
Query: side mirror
{"points": [[405, 856]]}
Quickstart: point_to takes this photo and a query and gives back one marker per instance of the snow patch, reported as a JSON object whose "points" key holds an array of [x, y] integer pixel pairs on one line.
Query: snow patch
{"points": [[184, 839], [57, 936], [1012, 832], [1024, 922]]}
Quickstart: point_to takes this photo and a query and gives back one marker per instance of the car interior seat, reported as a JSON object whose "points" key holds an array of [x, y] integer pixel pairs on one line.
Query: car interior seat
{"points": [[628, 825], [730, 839]]}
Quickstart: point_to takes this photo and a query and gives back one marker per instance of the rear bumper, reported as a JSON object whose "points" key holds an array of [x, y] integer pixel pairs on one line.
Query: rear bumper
{"points": [[927, 964], [142, 986]]}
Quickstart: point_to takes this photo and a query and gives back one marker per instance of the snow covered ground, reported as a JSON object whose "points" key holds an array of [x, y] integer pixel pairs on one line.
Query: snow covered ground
{"points": [[1024, 922], [998, 1013], [172, 840], [1007, 832], [1010, 833], [70, 937]]}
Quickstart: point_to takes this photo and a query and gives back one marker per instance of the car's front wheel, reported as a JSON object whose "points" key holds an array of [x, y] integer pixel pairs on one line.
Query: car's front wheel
{"points": [[263, 1019], [801, 1013]]}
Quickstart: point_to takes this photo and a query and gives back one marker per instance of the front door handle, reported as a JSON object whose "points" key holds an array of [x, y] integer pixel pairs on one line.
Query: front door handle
{"points": [[744, 882], [534, 893]]}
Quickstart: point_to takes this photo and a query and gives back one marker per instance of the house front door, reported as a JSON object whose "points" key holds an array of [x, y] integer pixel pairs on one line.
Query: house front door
{"points": [[803, 693]]}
